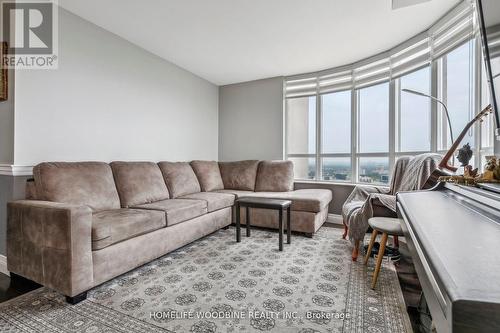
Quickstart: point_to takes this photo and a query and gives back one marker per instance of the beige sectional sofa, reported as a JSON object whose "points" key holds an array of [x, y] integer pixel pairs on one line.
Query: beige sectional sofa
{"points": [[88, 222]]}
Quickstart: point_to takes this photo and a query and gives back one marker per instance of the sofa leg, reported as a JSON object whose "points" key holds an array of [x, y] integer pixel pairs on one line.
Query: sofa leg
{"points": [[76, 299], [308, 234]]}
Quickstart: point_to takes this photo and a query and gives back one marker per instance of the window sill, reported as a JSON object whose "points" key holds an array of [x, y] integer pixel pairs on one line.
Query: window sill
{"points": [[328, 182]]}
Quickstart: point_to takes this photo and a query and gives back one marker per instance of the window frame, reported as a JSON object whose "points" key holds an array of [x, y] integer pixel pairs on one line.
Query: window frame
{"points": [[437, 83], [318, 155], [356, 127]]}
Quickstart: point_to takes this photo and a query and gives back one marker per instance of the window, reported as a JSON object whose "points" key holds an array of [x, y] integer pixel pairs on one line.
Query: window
{"points": [[374, 170], [374, 119], [351, 123], [301, 144], [336, 136], [487, 127], [301, 121], [304, 167], [332, 161], [336, 122], [373, 134], [336, 168], [414, 116]]}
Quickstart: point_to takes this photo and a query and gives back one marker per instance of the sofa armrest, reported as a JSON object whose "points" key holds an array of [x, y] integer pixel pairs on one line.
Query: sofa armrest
{"points": [[50, 243]]}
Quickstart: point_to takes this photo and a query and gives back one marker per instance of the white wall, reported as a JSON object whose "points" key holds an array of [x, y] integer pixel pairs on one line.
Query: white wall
{"points": [[111, 100], [251, 120]]}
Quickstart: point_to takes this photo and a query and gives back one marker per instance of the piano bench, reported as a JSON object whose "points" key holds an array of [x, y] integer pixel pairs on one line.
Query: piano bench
{"points": [[388, 227]]}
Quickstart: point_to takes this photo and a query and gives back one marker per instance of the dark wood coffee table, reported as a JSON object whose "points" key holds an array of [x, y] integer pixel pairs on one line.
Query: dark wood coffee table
{"points": [[276, 204]]}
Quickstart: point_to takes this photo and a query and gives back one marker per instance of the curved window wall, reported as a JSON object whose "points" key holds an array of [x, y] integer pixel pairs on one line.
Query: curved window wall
{"points": [[350, 124]]}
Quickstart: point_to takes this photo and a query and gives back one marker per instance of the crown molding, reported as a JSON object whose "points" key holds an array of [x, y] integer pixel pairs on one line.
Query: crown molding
{"points": [[16, 170]]}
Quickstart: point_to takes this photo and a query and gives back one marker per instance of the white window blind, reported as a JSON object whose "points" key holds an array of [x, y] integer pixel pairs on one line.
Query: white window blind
{"points": [[411, 56], [336, 81], [372, 71], [452, 30], [299, 87]]}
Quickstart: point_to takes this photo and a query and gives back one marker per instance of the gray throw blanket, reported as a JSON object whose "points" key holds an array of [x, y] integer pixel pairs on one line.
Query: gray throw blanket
{"points": [[409, 174]]}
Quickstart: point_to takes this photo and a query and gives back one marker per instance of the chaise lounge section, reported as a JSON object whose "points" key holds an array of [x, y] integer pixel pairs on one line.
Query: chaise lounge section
{"points": [[88, 222]]}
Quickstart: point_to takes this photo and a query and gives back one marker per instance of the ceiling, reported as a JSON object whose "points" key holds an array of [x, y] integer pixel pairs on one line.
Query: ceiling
{"points": [[230, 41]]}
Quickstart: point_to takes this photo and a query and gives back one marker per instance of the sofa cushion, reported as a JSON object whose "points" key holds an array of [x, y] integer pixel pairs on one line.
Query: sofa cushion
{"points": [[178, 210], [180, 178], [113, 226], [79, 183], [306, 200], [208, 175], [215, 201], [237, 193], [239, 175], [139, 183], [274, 176]]}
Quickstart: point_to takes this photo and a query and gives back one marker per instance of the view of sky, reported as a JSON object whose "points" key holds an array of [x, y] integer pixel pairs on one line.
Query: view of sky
{"points": [[415, 112], [459, 95], [374, 119], [336, 123]]}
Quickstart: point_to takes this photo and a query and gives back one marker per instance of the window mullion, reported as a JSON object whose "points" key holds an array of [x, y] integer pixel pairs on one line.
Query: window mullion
{"points": [[477, 101], [284, 118], [393, 101], [444, 97], [397, 112], [434, 109], [354, 135], [318, 132]]}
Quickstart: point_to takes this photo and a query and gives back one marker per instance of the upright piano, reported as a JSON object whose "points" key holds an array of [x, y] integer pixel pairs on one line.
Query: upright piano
{"points": [[453, 234]]}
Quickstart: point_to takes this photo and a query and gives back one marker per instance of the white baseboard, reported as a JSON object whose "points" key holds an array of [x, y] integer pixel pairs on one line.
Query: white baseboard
{"points": [[16, 170], [3, 265], [335, 219]]}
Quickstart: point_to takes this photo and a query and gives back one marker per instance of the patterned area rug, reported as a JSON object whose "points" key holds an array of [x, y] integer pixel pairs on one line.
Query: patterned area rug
{"points": [[218, 285]]}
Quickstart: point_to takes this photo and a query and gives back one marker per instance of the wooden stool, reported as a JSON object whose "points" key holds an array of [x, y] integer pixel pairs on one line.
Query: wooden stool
{"points": [[388, 227]]}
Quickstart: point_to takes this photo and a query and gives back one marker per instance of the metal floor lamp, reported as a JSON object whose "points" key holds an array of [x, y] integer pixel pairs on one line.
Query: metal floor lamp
{"points": [[418, 93]]}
